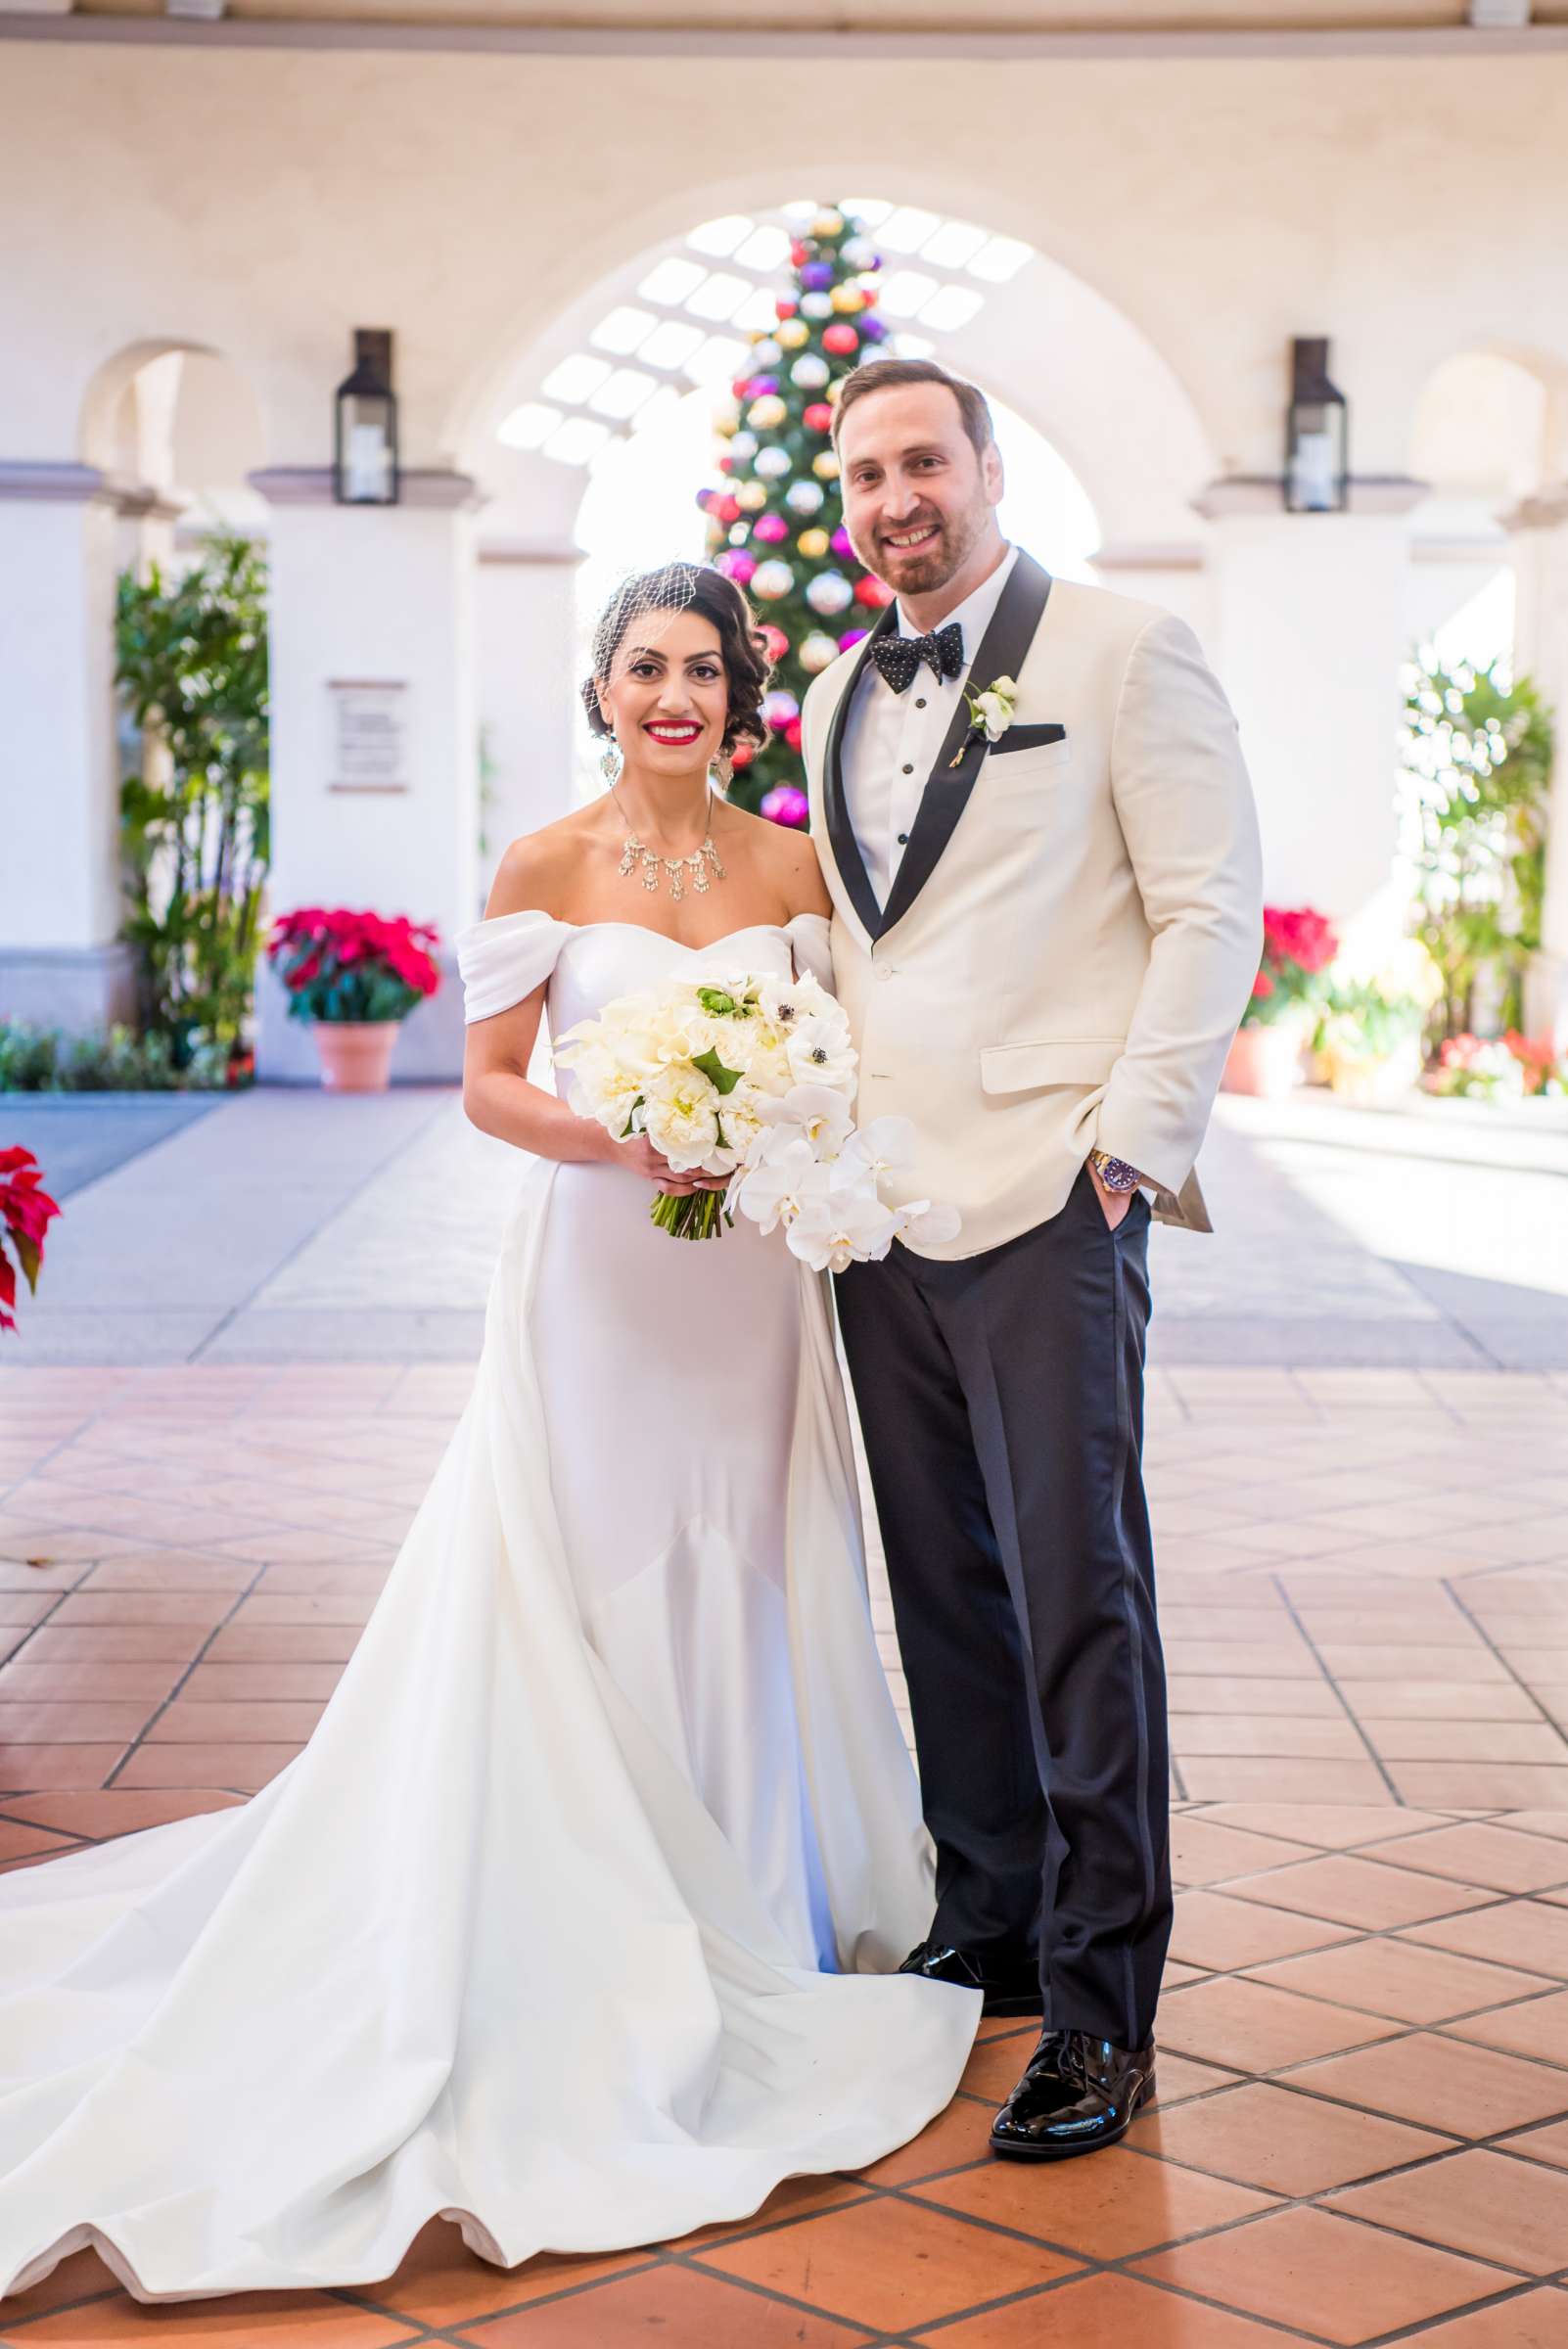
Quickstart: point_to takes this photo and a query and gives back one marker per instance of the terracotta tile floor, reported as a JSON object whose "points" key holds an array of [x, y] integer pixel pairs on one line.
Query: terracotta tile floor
{"points": [[1363, 2132]]}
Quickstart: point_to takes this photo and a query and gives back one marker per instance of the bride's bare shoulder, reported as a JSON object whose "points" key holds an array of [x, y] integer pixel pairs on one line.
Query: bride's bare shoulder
{"points": [[790, 860], [537, 872]]}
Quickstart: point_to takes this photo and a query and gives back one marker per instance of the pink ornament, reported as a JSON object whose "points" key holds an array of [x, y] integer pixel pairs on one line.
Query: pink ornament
{"points": [[737, 565], [840, 338], [792, 734], [770, 528], [873, 592], [784, 804], [852, 638], [784, 307], [818, 417], [776, 643], [841, 541]]}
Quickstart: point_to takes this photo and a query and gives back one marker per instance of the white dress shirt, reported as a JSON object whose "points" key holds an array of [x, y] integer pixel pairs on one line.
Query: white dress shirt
{"points": [[892, 740]]}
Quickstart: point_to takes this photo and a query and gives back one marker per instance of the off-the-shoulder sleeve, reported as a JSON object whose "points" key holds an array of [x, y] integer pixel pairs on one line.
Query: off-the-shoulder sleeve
{"points": [[505, 958], [808, 934]]}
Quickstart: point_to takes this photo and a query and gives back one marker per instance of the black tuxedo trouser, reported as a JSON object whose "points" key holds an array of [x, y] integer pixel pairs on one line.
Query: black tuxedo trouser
{"points": [[1001, 1400]]}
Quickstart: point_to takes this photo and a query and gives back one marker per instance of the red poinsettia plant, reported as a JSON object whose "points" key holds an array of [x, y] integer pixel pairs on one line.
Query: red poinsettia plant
{"points": [[25, 1214], [1299, 944], [338, 965]]}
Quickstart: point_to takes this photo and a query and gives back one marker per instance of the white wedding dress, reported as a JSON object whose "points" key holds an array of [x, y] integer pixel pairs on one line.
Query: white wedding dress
{"points": [[574, 1921]]}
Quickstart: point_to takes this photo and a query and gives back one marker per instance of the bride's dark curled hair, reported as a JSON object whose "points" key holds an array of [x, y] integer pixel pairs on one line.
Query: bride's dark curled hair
{"points": [[689, 587]]}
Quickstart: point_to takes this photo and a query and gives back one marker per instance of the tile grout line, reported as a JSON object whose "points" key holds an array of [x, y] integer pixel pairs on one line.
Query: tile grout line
{"points": [[1316, 1652]]}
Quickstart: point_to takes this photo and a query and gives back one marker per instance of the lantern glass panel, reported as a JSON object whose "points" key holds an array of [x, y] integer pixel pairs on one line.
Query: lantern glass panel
{"points": [[365, 421], [1316, 475]]}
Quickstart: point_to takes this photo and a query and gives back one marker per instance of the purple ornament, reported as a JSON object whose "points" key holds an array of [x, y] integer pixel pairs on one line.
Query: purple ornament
{"points": [[872, 328], [780, 707], [816, 277], [761, 387], [784, 804], [840, 541], [770, 528], [736, 565], [851, 636]]}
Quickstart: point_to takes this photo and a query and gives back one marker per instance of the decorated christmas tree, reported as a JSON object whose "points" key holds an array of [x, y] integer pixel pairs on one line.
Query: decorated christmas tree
{"points": [[776, 520]]}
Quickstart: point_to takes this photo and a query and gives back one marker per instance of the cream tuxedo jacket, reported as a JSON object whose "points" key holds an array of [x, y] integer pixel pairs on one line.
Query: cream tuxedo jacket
{"points": [[1073, 932]]}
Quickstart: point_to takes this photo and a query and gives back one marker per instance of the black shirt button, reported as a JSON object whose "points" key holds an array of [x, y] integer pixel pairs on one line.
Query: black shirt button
{"points": [[920, 705], [903, 839], [908, 770]]}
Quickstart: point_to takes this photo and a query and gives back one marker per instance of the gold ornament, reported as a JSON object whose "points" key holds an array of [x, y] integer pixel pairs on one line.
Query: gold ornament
{"points": [[834, 391], [791, 333], [813, 545], [848, 299], [827, 223], [766, 414], [751, 497], [826, 466]]}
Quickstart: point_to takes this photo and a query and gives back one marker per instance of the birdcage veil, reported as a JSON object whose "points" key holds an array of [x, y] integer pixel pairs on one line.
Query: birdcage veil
{"points": [[640, 607]]}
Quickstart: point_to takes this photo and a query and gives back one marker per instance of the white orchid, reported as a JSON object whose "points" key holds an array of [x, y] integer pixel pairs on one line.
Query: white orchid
{"points": [[885, 1146], [780, 1189], [927, 1226], [841, 1229], [825, 1115]]}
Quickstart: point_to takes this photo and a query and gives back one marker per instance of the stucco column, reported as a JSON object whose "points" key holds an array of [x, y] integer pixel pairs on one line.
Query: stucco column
{"points": [[373, 607], [528, 655], [1539, 528], [61, 963], [1309, 631]]}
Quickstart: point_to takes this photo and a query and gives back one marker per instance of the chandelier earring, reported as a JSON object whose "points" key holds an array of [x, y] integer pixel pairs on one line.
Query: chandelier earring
{"points": [[721, 770], [611, 762]]}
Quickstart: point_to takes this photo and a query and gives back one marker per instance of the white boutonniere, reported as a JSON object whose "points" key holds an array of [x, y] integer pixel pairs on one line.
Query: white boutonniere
{"points": [[991, 713]]}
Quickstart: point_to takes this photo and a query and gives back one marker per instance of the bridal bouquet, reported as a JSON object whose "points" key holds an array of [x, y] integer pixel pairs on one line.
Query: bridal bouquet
{"points": [[753, 1077]]}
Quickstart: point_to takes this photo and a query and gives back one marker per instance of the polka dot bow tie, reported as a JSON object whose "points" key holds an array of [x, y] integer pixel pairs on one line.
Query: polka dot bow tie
{"points": [[900, 657]]}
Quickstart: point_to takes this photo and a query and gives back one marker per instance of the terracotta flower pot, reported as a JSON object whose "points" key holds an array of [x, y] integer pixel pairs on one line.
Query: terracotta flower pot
{"points": [[355, 1054], [1264, 1061]]}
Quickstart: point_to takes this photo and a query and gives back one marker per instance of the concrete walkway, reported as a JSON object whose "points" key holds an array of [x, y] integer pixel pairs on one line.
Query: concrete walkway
{"points": [[290, 1225]]}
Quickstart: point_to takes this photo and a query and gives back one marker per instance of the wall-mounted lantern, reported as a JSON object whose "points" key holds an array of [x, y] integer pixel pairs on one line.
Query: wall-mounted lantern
{"points": [[1316, 434], [365, 459]]}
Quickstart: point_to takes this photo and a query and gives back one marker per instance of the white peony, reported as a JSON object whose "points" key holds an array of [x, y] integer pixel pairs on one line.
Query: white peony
{"points": [[680, 1117]]}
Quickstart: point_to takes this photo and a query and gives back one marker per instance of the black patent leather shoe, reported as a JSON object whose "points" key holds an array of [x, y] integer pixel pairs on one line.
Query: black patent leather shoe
{"points": [[1076, 2093], [1009, 1989]]}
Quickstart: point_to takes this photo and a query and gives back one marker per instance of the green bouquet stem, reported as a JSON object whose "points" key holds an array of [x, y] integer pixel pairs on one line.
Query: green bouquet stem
{"points": [[695, 1216]]}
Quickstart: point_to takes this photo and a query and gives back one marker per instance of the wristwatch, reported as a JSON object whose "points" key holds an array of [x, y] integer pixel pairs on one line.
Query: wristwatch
{"points": [[1114, 1173]]}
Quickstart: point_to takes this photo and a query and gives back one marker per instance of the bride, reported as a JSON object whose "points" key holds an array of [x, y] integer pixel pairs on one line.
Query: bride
{"points": [[576, 1922]]}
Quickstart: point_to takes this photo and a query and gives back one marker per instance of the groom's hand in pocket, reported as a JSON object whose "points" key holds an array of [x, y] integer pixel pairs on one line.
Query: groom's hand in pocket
{"points": [[1113, 1205]]}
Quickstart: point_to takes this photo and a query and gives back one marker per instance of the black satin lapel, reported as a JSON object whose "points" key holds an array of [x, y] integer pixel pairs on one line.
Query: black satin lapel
{"points": [[1000, 653], [841, 831]]}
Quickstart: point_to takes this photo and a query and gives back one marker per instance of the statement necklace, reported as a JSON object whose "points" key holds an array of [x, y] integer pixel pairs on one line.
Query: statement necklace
{"points": [[702, 864]]}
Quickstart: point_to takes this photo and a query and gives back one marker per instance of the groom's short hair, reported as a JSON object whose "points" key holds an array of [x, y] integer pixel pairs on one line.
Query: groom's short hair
{"points": [[886, 375]]}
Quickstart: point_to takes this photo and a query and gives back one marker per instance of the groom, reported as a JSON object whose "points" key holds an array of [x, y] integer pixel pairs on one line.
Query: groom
{"points": [[1044, 941]]}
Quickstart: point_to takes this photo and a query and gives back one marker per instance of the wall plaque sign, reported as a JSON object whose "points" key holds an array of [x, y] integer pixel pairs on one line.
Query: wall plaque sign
{"points": [[369, 749]]}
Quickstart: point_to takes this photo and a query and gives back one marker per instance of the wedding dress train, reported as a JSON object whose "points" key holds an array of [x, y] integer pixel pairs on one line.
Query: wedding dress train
{"points": [[574, 1921]]}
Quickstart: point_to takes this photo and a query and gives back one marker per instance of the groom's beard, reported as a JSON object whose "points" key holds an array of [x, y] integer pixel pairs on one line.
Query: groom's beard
{"points": [[929, 567]]}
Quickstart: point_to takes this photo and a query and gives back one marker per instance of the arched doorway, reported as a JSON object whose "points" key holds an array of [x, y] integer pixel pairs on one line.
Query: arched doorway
{"points": [[593, 441]]}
